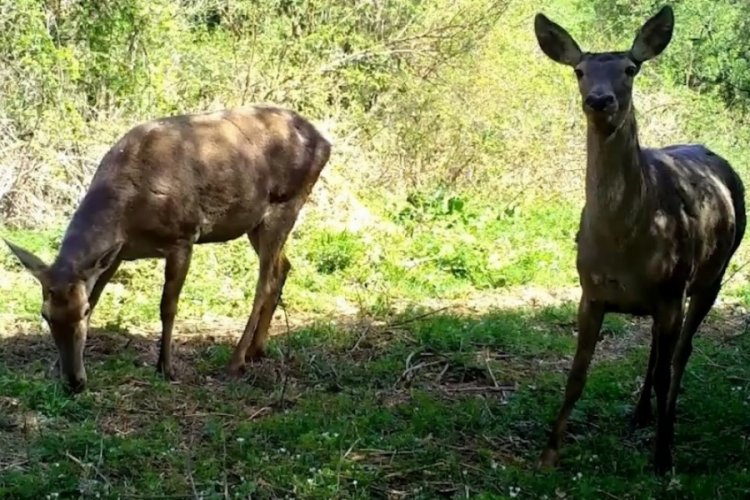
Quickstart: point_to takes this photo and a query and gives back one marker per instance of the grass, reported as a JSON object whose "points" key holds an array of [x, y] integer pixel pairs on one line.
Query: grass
{"points": [[436, 376], [425, 405]]}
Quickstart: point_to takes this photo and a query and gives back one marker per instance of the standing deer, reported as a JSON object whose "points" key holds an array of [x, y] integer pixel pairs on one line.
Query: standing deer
{"points": [[658, 226], [167, 185]]}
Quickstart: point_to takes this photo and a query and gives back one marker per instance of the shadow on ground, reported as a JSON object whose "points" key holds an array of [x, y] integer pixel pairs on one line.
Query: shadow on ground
{"points": [[424, 404]]}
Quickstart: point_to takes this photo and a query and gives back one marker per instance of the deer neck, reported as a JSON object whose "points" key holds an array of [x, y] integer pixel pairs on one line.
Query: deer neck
{"points": [[615, 181], [93, 229]]}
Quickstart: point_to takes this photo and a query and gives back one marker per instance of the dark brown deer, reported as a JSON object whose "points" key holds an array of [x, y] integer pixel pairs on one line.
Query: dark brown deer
{"points": [[167, 185], [658, 226]]}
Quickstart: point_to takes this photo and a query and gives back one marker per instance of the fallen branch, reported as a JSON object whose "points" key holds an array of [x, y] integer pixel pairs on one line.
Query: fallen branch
{"points": [[502, 388], [360, 339], [189, 467], [492, 374], [85, 467], [416, 318], [734, 273], [259, 412]]}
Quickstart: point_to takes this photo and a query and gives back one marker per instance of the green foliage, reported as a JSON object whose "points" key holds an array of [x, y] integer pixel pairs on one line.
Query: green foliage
{"points": [[334, 251], [438, 205], [710, 51], [164, 56]]}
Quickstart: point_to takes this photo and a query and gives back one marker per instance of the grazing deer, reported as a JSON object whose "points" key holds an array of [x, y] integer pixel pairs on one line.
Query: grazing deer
{"points": [[658, 226], [167, 185]]}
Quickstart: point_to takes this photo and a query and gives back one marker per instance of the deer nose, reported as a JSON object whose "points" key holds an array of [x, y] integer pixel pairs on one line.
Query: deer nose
{"points": [[599, 102]]}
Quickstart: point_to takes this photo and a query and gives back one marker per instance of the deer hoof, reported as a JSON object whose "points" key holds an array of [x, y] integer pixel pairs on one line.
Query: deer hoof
{"points": [[662, 463], [254, 354], [236, 370], [549, 459], [642, 417], [165, 372]]}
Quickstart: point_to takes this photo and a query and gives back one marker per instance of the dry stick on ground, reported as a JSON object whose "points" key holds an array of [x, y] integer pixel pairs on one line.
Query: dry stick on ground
{"points": [[284, 374], [189, 466], [157, 497], [209, 414], [410, 370], [500, 388], [224, 465], [492, 374], [100, 462], [739, 268], [360, 339], [442, 373], [85, 467], [409, 373], [259, 412], [415, 318], [343, 457]]}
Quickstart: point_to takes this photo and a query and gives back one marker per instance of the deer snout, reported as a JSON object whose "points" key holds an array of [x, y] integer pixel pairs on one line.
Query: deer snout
{"points": [[600, 103]]}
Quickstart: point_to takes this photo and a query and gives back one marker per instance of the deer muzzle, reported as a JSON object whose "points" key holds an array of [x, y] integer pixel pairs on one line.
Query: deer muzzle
{"points": [[600, 103]]}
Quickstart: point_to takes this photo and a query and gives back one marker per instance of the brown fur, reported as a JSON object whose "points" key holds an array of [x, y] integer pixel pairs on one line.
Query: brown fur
{"points": [[659, 226], [171, 183]]}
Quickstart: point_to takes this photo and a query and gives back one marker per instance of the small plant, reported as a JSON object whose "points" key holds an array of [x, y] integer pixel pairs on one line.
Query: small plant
{"points": [[438, 205], [334, 251]]}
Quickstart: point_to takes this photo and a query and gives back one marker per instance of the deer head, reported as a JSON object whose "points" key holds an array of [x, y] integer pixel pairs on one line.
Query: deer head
{"points": [[65, 305], [605, 79]]}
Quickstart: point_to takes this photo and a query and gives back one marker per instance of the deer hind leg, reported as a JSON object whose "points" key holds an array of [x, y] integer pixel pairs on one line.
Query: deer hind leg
{"points": [[257, 346], [175, 271], [281, 270], [668, 323], [590, 317], [700, 303], [271, 236], [644, 414]]}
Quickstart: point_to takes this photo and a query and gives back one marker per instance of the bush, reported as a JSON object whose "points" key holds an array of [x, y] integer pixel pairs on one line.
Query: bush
{"points": [[334, 251], [710, 51], [417, 96]]}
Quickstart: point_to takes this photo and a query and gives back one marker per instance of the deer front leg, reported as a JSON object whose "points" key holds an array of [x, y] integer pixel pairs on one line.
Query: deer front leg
{"points": [[590, 317], [101, 282], [175, 271], [668, 323]]}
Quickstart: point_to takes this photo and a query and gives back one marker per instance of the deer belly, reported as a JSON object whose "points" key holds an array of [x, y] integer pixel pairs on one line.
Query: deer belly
{"points": [[222, 233], [219, 227], [620, 293]]}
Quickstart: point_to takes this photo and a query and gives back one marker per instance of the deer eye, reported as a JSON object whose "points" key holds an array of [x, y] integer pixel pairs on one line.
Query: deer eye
{"points": [[579, 73], [631, 70], [86, 311]]}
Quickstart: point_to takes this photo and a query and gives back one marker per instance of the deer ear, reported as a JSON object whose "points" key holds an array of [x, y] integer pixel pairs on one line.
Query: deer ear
{"points": [[31, 262], [556, 42], [654, 36], [98, 263]]}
